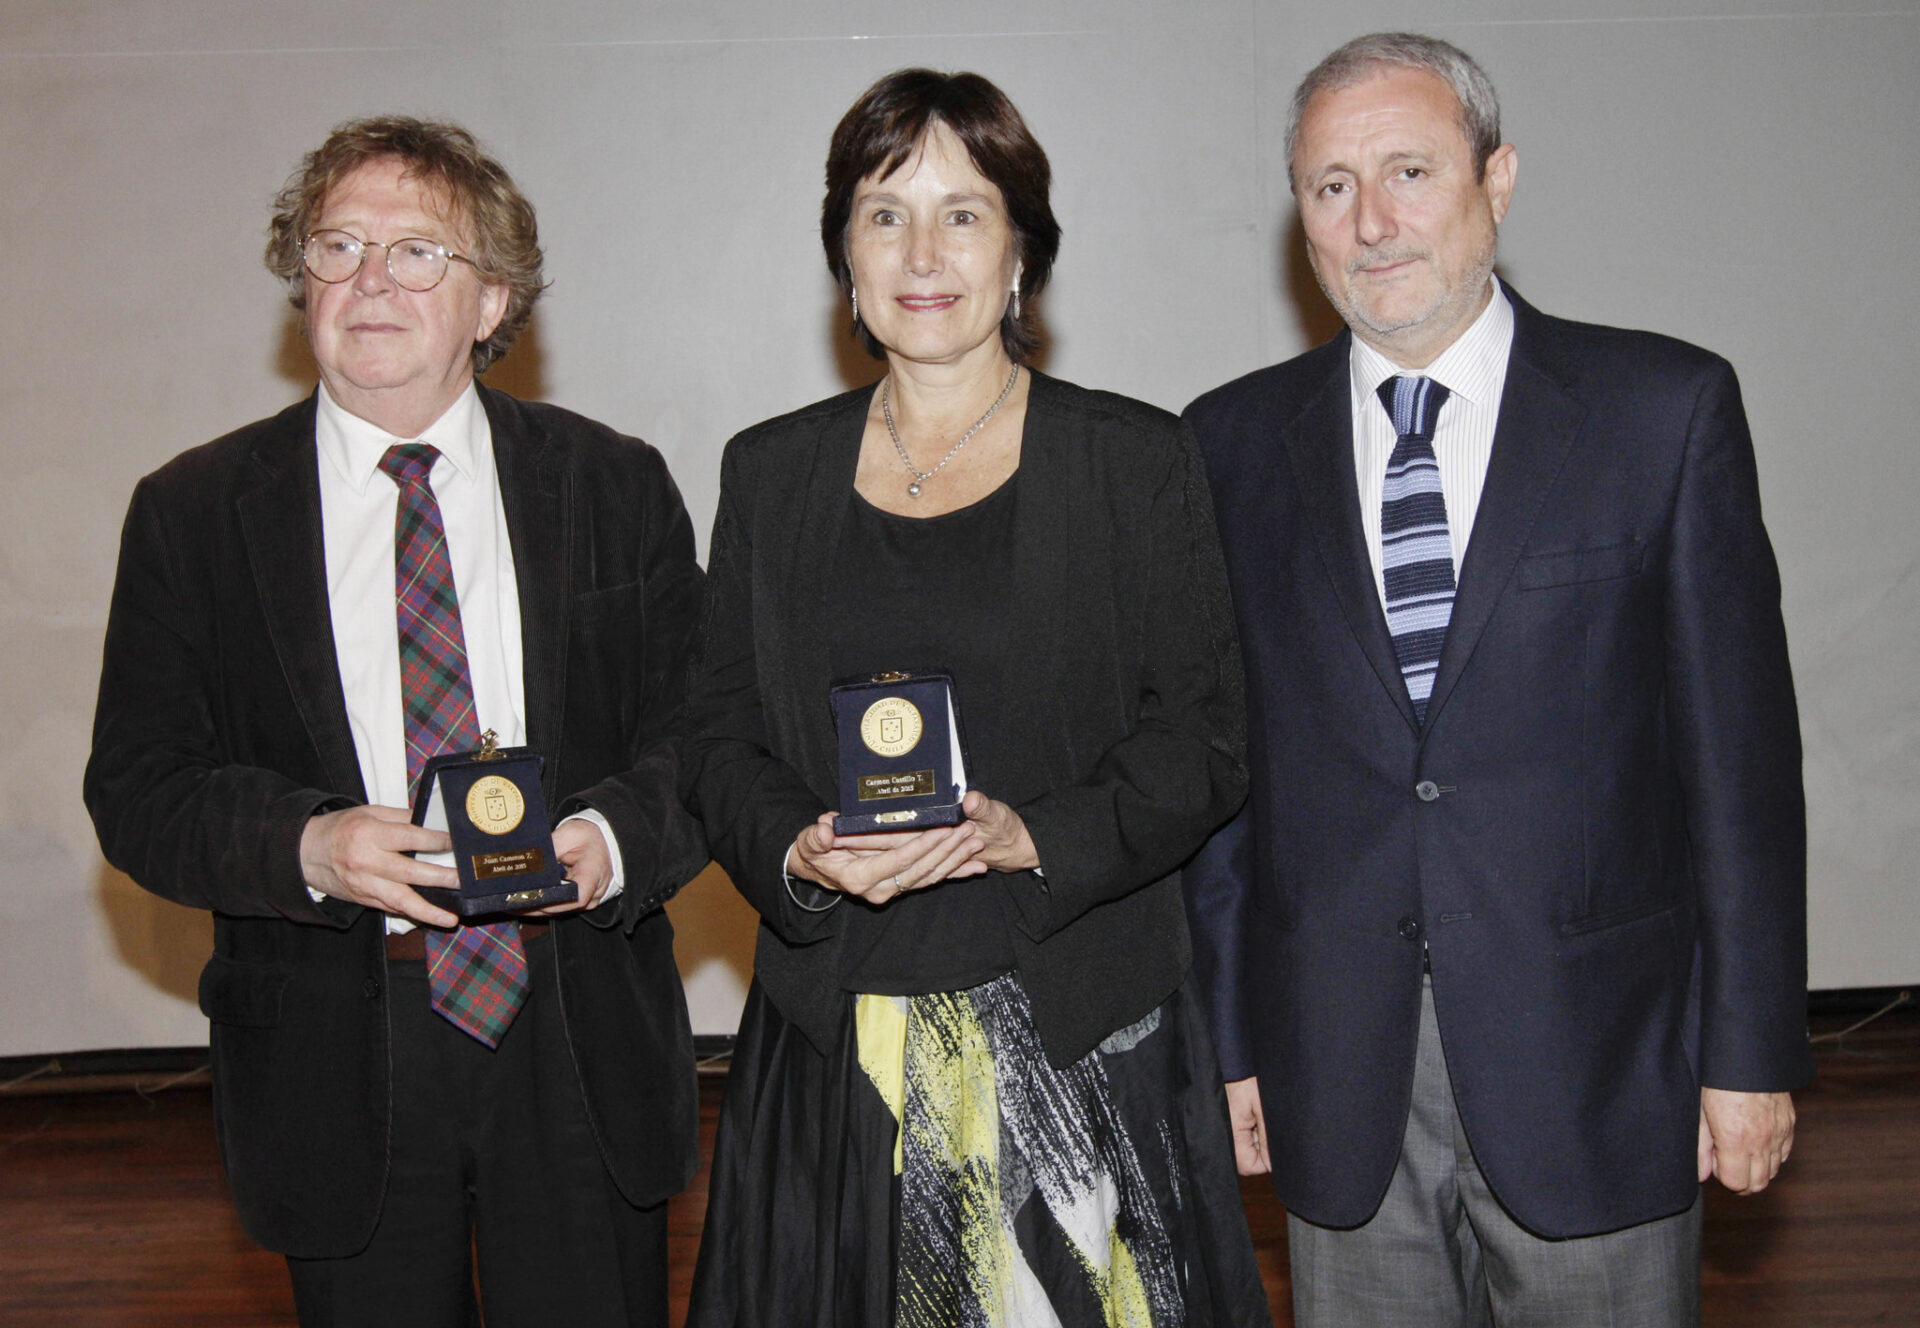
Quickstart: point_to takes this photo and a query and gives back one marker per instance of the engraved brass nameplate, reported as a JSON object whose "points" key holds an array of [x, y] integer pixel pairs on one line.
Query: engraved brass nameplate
{"points": [[900, 784], [517, 862]]}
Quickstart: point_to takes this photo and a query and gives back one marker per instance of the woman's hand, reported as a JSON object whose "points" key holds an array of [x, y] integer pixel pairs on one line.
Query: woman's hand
{"points": [[1004, 844], [875, 868]]}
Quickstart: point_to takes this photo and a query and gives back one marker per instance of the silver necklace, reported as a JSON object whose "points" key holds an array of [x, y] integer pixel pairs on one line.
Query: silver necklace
{"points": [[922, 476]]}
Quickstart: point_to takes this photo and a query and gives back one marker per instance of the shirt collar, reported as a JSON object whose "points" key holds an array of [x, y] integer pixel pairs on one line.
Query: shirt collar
{"points": [[1471, 368], [353, 446]]}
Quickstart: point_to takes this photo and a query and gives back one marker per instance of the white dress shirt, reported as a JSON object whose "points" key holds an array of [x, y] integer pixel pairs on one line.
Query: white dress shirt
{"points": [[1474, 370], [358, 503]]}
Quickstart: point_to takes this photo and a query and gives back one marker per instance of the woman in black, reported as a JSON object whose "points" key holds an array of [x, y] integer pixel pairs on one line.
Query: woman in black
{"points": [[968, 1086]]}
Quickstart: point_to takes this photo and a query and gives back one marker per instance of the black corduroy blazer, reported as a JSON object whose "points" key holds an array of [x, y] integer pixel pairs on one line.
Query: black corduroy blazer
{"points": [[221, 728]]}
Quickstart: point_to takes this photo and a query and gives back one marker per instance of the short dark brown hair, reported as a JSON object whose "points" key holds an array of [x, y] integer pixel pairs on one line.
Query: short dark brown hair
{"points": [[891, 119], [475, 188]]}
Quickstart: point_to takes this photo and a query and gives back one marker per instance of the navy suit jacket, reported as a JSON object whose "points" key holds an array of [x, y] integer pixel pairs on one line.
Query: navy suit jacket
{"points": [[1598, 836], [222, 728]]}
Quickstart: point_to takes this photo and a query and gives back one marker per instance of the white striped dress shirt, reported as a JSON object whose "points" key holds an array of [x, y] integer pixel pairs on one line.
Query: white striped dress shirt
{"points": [[1474, 370]]}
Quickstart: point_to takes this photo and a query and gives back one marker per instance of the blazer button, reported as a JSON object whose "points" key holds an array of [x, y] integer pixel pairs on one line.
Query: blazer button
{"points": [[371, 987], [1426, 790], [1410, 928]]}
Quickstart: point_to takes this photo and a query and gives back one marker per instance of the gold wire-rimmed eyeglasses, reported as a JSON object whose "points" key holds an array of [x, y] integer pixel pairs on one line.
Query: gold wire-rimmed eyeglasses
{"points": [[415, 263]]}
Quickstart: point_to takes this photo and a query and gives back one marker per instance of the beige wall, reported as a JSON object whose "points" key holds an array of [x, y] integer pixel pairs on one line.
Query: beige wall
{"points": [[1742, 174]]}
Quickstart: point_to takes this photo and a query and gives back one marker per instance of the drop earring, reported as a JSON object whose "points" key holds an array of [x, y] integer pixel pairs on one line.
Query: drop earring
{"points": [[856, 306]]}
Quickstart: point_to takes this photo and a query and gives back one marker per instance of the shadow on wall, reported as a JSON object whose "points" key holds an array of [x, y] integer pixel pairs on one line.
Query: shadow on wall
{"points": [[164, 942], [855, 367], [293, 361], [1317, 320], [521, 372], [713, 924]]}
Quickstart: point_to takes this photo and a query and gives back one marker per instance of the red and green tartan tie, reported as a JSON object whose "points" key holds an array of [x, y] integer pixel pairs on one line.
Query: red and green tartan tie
{"points": [[477, 975]]}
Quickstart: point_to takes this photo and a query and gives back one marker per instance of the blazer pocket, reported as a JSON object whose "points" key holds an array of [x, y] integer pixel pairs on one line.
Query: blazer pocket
{"points": [[1537, 571], [592, 607], [242, 995], [1618, 917]]}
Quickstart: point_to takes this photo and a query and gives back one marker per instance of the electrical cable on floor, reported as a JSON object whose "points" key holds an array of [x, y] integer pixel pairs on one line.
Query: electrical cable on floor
{"points": [[1904, 998], [202, 1072], [51, 1067]]}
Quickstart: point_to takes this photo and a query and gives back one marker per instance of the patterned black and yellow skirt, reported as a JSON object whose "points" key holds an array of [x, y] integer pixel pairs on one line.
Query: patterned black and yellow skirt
{"points": [[934, 1170]]}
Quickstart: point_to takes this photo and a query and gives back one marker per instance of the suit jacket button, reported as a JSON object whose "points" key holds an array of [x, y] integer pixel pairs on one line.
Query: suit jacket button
{"points": [[1410, 928], [371, 987], [1426, 790]]}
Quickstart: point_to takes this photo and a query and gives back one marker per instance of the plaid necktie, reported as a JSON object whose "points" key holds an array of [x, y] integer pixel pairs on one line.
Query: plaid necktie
{"points": [[1416, 551], [477, 975]]}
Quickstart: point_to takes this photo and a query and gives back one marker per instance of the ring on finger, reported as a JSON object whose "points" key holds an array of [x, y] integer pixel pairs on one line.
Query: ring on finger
{"points": [[897, 887]]}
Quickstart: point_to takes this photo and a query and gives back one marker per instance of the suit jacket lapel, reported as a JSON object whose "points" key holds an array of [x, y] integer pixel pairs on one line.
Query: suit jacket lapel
{"points": [[534, 491], [1539, 420], [1320, 442], [286, 548]]}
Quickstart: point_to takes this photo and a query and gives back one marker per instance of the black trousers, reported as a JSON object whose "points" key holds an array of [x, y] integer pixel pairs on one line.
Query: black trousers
{"points": [[494, 1171]]}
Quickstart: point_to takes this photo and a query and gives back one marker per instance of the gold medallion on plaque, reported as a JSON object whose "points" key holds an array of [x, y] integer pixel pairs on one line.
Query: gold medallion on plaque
{"points": [[890, 727], [495, 805]]}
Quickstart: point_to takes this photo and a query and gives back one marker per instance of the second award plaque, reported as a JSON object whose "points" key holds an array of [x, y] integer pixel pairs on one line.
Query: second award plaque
{"points": [[903, 763]]}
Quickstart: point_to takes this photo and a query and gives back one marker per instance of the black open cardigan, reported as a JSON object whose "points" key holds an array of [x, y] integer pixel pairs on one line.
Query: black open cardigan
{"points": [[1122, 728]]}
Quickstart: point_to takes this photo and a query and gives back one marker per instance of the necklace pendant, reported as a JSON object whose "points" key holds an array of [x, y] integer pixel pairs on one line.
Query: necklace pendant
{"points": [[893, 431]]}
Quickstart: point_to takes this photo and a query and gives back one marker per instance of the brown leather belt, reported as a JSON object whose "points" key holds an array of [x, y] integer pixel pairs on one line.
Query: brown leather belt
{"points": [[413, 944]]}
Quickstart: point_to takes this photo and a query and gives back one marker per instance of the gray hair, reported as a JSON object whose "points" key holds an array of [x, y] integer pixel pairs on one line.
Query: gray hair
{"points": [[1366, 56]]}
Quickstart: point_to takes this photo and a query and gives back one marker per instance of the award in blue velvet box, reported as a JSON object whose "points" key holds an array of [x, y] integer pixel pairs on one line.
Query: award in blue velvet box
{"points": [[489, 802], [903, 760]]}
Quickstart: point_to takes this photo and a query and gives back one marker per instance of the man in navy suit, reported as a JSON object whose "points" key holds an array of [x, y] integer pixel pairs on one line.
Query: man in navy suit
{"points": [[1506, 953]]}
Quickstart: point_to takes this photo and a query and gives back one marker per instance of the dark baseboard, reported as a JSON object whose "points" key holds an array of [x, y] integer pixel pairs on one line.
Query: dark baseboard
{"points": [[708, 1045], [128, 1066], [1852, 1002], [144, 1061]]}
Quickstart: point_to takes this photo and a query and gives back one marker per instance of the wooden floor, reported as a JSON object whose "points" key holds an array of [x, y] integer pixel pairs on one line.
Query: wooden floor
{"points": [[113, 1212]]}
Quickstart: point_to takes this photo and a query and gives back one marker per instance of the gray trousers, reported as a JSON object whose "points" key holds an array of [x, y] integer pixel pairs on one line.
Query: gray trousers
{"points": [[1442, 1253]]}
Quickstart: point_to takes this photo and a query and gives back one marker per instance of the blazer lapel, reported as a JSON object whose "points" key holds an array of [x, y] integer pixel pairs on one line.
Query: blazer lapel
{"points": [[1539, 420], [1044, 534], [806, 540], [286, 549], [1320, 443], [535, 493]]}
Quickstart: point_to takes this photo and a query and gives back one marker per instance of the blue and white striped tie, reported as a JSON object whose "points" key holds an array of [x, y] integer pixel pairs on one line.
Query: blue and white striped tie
{"points": [[1416, 550]]}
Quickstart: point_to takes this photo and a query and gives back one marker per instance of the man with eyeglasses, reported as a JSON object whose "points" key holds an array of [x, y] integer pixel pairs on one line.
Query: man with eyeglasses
{"points": [[306, 611]]}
